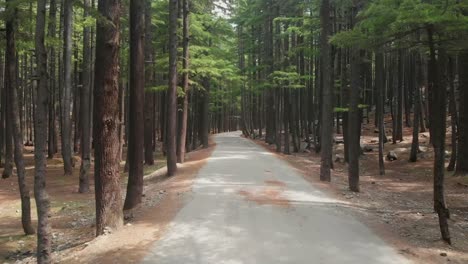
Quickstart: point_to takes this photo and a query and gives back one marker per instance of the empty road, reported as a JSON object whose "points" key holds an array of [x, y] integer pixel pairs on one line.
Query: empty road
{"points": [[247, 206]]}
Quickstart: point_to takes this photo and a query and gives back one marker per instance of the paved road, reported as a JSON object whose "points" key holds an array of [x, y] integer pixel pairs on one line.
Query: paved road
{"points": [[247, 206]]}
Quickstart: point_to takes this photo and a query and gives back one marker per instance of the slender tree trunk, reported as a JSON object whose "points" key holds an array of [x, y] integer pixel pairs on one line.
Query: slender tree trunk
{"points": [[437, 130], [67, 88], [185, 64], [326, 144], [106, 118], [11, 87], [205, 122], [149, 95], [380, 85], [44, 238], [137, 98], [354, 122], [52, 126], [453, 115], [172, 92], [417, 113], [85, 107]]}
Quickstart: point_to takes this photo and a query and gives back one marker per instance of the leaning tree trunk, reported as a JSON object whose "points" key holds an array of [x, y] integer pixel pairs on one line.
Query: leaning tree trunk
{"points": [[44, 237], [437, 130], [327, 94], [11, 87], [171, 130], [67, 88], [85, 107], [136, 104], [185, 64], [106, 118]]}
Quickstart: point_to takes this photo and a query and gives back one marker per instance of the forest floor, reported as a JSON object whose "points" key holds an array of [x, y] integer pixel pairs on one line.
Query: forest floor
{"points": [[398, 206], [72, 214]]}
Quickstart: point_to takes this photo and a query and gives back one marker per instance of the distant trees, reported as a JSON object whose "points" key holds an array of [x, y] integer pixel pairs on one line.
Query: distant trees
{"points": [[297, 56]]}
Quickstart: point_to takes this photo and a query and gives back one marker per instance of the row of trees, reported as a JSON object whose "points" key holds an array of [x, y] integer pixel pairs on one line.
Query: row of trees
{"points": [[315, 69], [87, 78]]}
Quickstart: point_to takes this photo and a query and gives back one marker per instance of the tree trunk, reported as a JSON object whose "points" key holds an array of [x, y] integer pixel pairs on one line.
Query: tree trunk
{"points": [[380, 86], [137, 99], [11, 88], [106, 118], [171, 130], [437, 130], [44, 236], [205, 122], [67, 88], [85, 107], [149, 95], [462, 153], [417, 112], [354, 122], [185, 64], [453, 115], [326, 144], [52, 126]]}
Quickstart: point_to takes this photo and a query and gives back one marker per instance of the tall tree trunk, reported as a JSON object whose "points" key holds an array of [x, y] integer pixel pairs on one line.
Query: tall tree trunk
{"points": [[137, 98], [354, 121], [67, 88], [326, 144], [437, 130], [11, 88], [149, 95], [185, 65], [380, 86], [52, 126], [462, 153], [205, 122], [172, 92], [44, 238], [106, 118], [8, 166], [85, 107], [417, 112], [453, 114]]}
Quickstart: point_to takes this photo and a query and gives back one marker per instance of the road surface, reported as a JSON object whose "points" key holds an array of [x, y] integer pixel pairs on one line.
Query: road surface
{"points": [[247, 206]]}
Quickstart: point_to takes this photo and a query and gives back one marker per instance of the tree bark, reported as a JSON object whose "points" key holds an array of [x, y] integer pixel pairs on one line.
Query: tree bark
{"points": [[44, 238], [185, 65], [462, 153], [11, 88], [51, 148], [67, 88], [380, 86], [137, 98], [149, 95], [85, 107], [171, 130], [106, 118], [326, 144], [437, 130]]}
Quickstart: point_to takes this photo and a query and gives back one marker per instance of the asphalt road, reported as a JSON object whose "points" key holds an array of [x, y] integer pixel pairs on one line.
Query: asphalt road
{"points": [[247, 206]]}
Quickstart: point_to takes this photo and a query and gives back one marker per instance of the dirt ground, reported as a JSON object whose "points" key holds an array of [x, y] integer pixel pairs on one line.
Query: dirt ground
{"points": [[398, 206], [73, 220]]}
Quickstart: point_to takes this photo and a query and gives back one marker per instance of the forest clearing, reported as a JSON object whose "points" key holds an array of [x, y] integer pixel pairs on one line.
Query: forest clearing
{"points": [[234, 131]]}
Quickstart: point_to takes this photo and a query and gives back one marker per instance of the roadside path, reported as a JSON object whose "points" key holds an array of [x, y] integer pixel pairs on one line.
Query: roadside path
{"points": [[248, 206]]}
